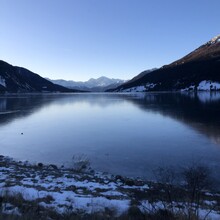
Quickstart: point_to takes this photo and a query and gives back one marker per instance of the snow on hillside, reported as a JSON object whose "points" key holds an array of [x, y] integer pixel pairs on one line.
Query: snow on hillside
{"points": [[143, 88], [215, 39], [208, 85], [205, 85], [135, 89], [2, 81]]}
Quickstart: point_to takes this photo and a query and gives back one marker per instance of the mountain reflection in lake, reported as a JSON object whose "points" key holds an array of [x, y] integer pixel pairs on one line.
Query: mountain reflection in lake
{"points": [[128, 134]]}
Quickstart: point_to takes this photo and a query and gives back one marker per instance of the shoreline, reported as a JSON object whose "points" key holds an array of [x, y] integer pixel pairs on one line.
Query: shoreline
{"points": [[62, 191]]}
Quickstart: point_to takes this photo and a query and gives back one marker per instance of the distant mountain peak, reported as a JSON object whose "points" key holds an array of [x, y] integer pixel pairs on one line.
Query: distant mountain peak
{"points": [[215, 39], [100, 84], [103, 77], [206, 51]]}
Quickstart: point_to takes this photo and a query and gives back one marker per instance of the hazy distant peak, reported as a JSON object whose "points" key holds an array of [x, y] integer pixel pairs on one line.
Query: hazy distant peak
{"points": [[102, 78], [102, 81], [106, 78], [99, 83]]}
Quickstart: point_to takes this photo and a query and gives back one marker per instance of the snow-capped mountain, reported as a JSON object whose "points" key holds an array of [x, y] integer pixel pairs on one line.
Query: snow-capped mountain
{"points": [[100, 84], [199, 70], [15, 79]]}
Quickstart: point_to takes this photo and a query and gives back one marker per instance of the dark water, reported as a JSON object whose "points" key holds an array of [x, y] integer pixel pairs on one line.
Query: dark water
{"points": [[120, 133]]}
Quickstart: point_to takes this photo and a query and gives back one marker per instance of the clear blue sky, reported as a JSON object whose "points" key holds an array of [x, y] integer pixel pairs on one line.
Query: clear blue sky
{"points": [[80, 39]]}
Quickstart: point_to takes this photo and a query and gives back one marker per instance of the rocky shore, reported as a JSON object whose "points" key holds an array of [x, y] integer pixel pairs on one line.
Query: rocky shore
{"points": [[55, 192]]}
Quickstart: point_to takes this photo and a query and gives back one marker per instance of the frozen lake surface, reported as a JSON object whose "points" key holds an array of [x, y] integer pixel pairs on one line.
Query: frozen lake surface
{"points": [[127, 134]]}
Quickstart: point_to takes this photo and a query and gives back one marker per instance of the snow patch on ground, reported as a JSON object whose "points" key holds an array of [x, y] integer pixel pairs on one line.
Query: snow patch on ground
{"points": [[144, 88], [205, 85], [134, 89], [10, 209], [63, 190], [212, 215], [63, 199], [188, 89]]}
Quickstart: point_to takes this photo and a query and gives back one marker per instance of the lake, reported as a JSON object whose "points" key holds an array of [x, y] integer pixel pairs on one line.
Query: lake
{"points": [[126, 134]]}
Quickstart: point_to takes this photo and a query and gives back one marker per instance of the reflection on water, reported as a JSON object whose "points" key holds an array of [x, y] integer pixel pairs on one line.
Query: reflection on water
{"points": [[201, 111], [127, 134]]}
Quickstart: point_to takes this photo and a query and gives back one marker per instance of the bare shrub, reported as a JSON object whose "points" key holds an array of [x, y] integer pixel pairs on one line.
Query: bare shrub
{"points": [[185, 199], [197, 179], [166, 178], [80, 162]]}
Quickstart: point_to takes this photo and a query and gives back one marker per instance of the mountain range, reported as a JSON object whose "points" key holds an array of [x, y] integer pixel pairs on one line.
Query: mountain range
{"points": [[199, 70], [100, 84]]}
